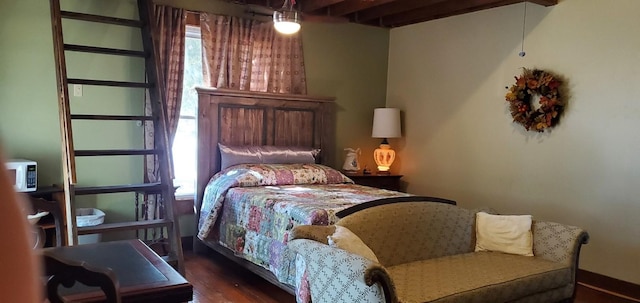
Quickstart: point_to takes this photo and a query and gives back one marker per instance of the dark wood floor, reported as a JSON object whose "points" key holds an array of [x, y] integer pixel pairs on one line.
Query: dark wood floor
{"points": [[217, 280]]}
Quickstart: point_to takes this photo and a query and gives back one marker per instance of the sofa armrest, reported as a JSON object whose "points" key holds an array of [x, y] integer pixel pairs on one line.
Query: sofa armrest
{"points": [[312, 232], [558, 242], [335, 275]]}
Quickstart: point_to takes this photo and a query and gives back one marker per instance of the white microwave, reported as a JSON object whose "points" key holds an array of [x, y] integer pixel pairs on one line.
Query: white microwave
{"points": [[23, 173]]}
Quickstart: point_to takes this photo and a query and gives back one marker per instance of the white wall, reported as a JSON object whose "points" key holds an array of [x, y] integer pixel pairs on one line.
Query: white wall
{"points": [[449, 77]]}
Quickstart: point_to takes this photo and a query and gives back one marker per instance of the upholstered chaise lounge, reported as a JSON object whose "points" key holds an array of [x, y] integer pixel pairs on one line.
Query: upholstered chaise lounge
{"points": [[426, 252]]}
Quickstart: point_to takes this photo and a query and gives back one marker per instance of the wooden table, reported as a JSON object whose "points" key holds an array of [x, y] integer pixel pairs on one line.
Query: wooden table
{"points": [[142, 274], [384, 181]]}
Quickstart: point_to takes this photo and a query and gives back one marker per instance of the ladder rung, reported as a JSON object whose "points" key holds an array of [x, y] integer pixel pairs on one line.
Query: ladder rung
{"points": [[134, 225], [116, 152], [100, 19], [111, 117], [109, 83], [94, 190], [104, 50], [153, 83]]}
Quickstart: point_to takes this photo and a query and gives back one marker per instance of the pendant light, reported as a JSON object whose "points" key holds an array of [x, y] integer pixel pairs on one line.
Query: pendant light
{"points": [[286, 20]]}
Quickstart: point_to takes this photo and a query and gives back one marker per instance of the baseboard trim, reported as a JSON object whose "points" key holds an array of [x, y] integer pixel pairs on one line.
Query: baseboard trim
{"points": [[608, 285]]}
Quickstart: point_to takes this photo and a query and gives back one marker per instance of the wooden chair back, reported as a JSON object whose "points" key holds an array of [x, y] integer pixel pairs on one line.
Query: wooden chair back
{"points": [[39, 204], [68, 272]]}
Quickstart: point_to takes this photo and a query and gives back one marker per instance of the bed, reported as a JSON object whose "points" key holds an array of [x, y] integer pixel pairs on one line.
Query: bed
{"points": [[244, 217]]}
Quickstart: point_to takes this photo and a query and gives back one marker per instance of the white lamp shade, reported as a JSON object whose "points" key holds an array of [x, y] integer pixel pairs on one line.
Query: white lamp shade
{"points": [[286, 22], [386, 123]]}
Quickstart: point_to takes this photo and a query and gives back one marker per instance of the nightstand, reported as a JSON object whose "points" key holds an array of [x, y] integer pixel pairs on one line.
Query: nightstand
{"points": [[390, 182]]}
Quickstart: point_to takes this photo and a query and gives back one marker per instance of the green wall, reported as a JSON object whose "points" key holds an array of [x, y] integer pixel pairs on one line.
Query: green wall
{"points": [[345, 61], [349, 62], [28, 107], [29, 113]]}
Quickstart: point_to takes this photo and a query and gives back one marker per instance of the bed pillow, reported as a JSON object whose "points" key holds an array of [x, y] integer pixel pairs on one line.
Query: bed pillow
{"points": [[345, 239], [266, 154], [504, 233], [249, 175]]}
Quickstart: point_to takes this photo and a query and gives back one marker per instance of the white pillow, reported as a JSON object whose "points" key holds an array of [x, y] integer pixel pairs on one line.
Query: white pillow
{"points": [[345, 239], [504, 233]]}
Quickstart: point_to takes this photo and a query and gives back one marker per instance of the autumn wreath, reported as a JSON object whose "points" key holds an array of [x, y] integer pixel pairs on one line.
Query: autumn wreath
{"points": [[528, 84]]}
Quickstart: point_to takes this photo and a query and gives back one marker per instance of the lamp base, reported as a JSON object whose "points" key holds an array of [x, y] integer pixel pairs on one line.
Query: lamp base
{"points": [[384, 157]]}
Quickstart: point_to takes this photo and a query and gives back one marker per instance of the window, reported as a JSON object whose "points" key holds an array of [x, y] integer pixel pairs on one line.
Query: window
{"points": [[185, 142]]}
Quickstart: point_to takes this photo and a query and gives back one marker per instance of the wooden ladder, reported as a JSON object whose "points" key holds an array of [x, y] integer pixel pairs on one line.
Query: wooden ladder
{"points": [[154, 86]]}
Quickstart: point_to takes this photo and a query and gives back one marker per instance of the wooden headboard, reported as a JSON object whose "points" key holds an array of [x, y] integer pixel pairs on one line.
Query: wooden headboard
{"points": [[233, 117]]}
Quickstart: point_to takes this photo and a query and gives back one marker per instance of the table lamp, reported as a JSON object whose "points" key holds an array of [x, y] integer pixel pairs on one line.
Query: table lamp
{"points": [[386, 124]]}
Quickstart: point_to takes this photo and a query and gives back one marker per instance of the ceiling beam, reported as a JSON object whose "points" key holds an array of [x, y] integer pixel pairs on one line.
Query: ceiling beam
{"points": [[313, 5], [266, 3], [395, 7], [350, 6], [442, 10], [387, 13]]}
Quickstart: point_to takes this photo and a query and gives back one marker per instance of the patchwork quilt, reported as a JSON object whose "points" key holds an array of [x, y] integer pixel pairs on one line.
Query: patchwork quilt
{"points": [[251, 208]]}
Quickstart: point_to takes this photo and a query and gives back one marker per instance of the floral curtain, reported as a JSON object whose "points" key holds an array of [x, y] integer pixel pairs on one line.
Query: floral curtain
{"points": [[170, 26], [250, 55]]}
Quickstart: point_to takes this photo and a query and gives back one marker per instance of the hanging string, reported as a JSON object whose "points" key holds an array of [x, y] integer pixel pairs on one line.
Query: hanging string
{"points": [[524, 22]]}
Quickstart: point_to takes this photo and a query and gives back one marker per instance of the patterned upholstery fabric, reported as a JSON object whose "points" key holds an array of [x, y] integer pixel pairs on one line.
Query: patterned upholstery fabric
{"points": [[334, 275], [313, 232], [476, 277], [426, 255], [557, 242], [418, 232]]}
